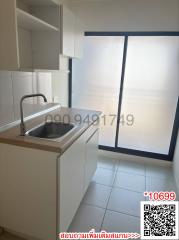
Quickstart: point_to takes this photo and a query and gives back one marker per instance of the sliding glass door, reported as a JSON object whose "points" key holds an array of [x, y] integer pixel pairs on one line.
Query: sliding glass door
{"points": [[96, 82], [134, 81], [150, 93]]}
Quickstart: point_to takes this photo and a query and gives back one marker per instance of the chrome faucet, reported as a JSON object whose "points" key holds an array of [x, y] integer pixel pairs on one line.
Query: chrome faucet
{"points": [[22, 124]]}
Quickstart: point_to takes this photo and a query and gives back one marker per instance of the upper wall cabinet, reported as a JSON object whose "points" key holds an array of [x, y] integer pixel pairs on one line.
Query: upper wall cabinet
{"points": [[73, 34], [9, 54], [30, 31], [34, 33], [79, 38], [68, 29]]}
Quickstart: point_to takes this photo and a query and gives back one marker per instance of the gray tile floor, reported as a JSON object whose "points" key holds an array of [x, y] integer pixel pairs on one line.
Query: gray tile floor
{"points": [[112, 201]]}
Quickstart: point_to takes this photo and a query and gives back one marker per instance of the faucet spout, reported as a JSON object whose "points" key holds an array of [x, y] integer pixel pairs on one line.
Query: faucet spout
{"points": [[22, 124]]}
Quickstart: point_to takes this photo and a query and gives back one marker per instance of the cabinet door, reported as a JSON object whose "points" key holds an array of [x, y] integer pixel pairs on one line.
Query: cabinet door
{"points": [[91, 157], [79, 38], [6, 98], [9, 58], [67, 32], [71, 178]]}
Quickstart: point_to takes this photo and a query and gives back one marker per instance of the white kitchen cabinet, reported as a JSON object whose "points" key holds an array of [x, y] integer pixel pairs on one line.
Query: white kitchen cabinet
{"points": [[46, 44], [9, 54], [71, 180], [73, 34], [79, 38], [28, 202], [42, 190], [35, 33], [27, 37], [91, 157], [68, 29], [77, 167]]}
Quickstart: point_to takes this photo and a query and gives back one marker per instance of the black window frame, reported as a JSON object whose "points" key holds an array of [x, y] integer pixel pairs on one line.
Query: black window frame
{"points": [[170, 155]]}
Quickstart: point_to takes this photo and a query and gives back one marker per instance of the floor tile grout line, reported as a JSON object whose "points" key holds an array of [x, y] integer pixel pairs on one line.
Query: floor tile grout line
{"points": [[84, 202], [116, 166], [95, 206], [119, 170], [135, 172], [114, 186], [100, 184], [109, 170], [169, 179], [105, 211], [112, 170], [138, 174], [132, 173], [127, 189], [92, 205], [109, 199], [160, 178], [108, 202], [123, 213], [115, 172]]}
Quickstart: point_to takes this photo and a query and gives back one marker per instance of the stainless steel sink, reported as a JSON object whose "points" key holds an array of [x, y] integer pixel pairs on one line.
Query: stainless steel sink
{"points": [[51, 130]]}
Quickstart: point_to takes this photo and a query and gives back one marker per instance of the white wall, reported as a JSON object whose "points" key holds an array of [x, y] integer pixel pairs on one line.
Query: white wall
{"points": [[127, 15], [176, 163]]}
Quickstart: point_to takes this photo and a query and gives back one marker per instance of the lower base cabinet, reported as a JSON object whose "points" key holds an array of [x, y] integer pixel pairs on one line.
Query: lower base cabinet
{"points": [[91, 148], [76, 167], [71, 180], [41, 191]]}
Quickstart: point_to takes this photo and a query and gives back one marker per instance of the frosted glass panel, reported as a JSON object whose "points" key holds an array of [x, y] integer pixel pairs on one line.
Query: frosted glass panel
{"points": [[151, 89], [96, 81]]}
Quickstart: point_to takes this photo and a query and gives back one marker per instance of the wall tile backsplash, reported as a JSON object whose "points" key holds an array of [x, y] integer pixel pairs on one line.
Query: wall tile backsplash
{"points": [[22, 85], [44, 83], [14, 85]]}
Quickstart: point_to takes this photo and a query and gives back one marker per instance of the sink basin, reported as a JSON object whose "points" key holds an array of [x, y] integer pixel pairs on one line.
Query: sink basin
{"points": [[51, 130]]}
